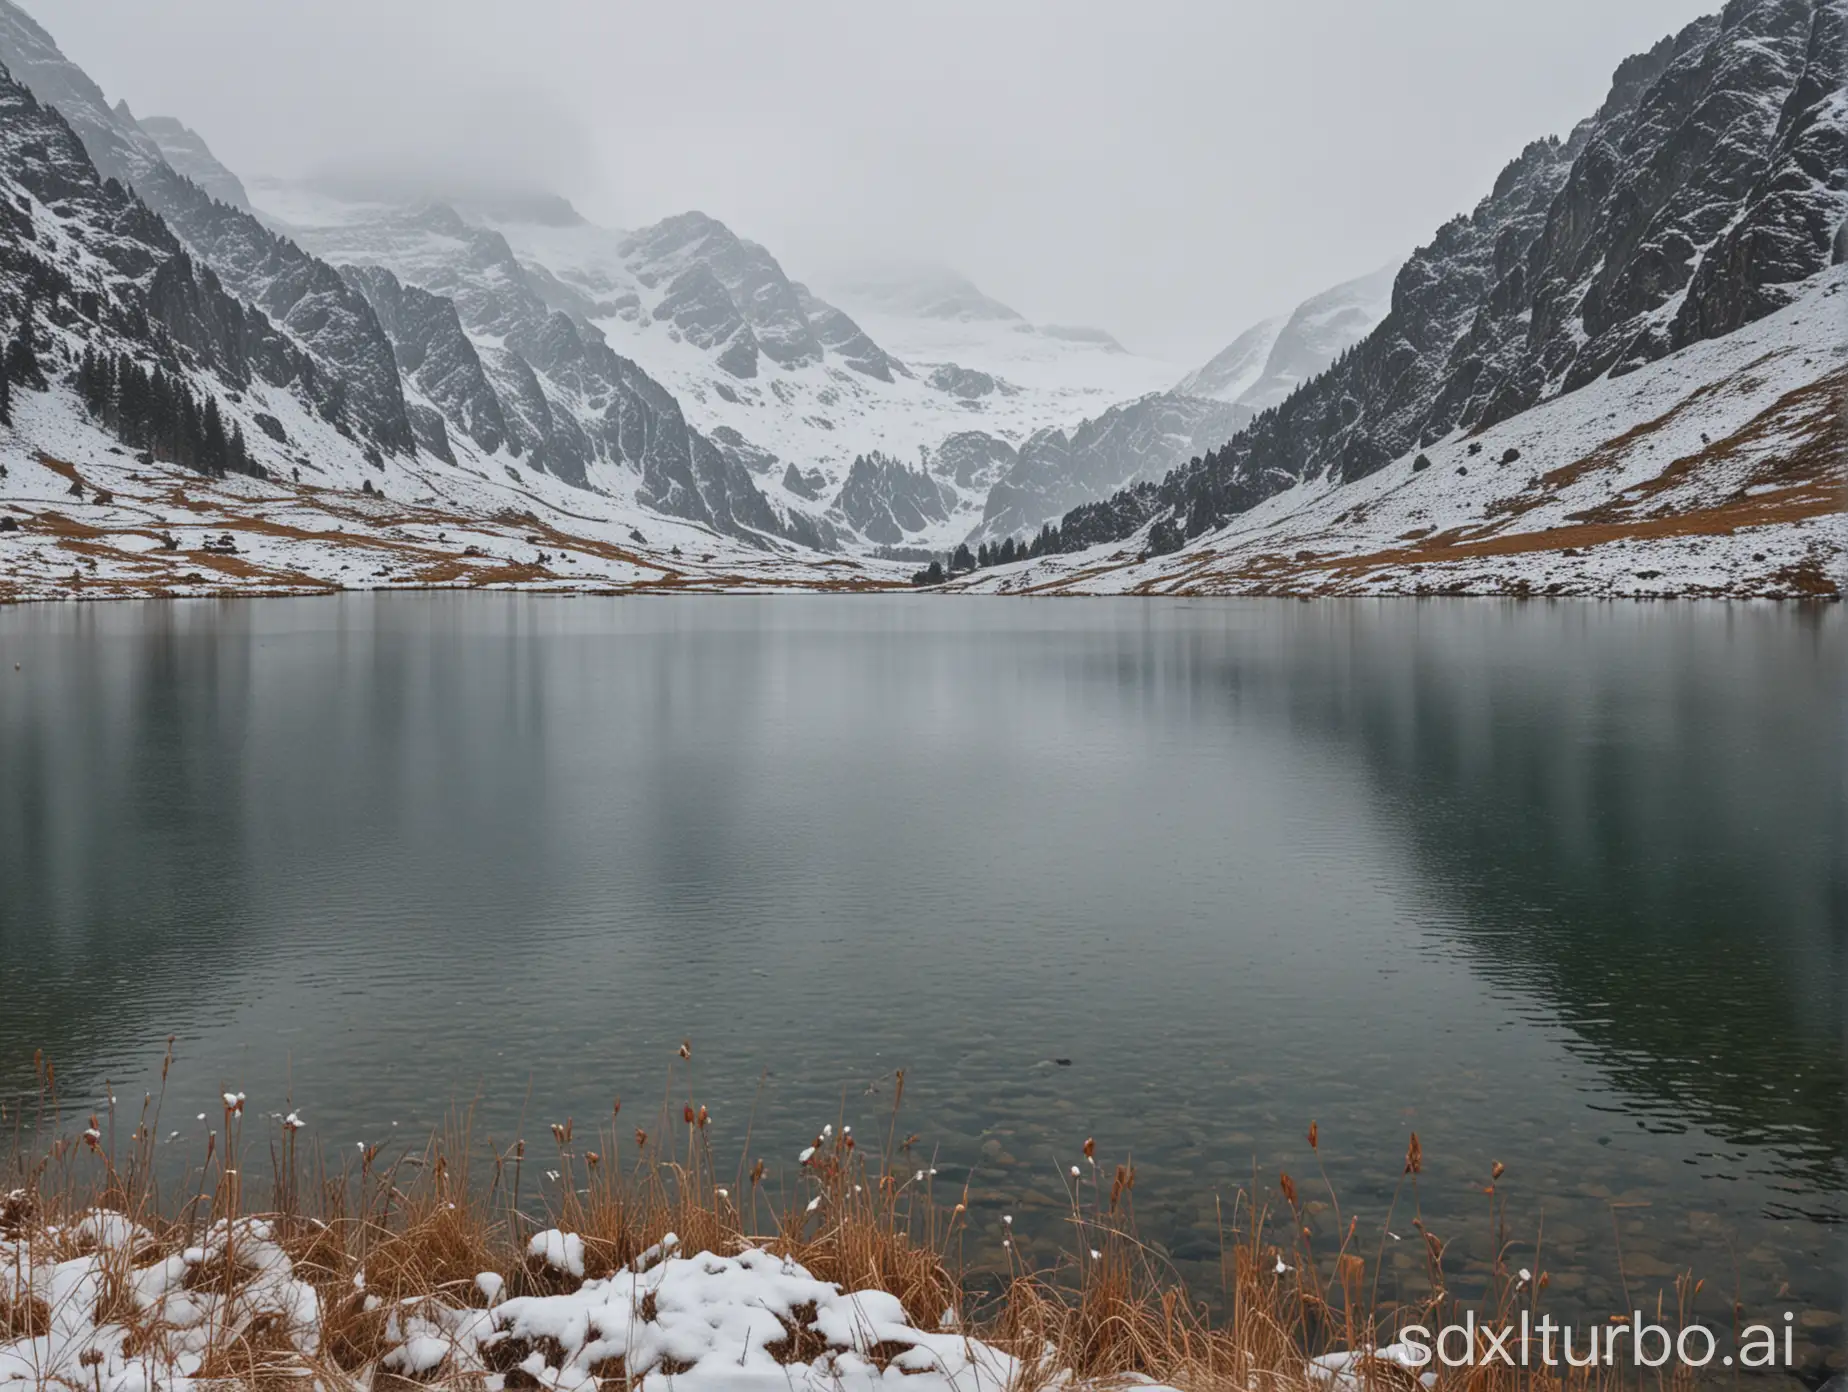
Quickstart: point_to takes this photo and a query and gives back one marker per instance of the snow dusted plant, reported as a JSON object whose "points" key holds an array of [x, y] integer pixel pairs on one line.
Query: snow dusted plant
{"points": [[401, 1267]]}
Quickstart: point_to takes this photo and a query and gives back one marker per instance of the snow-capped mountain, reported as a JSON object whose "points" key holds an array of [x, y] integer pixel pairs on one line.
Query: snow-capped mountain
{"points": [[788, 386], [88, 273], [317, 368], [1268, 361], [785, 377], [1710, 189], [1236, 368], [1061, 468], [1714, 471], [540, 386], [305, 298], [159, 436]]}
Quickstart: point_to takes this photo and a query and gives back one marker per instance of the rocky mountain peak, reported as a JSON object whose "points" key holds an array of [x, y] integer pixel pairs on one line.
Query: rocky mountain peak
{"points": [[761, 295], [1707, 189], [885, 501]]}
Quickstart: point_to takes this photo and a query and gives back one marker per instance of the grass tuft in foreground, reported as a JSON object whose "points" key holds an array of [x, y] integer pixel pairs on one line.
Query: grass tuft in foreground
{"points": [[455, 1263]]}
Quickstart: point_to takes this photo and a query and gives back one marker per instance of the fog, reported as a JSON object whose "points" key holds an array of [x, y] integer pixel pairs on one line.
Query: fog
{"points": [[1166, 171]]}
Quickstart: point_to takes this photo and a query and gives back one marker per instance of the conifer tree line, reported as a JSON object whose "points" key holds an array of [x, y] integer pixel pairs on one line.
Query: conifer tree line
{"points": [[151, 409], [963, 560], [19, 366]]}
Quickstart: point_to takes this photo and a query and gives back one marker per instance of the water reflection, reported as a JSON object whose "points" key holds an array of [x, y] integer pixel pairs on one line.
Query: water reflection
{"points": [[1639, 814], [1557, 884]]}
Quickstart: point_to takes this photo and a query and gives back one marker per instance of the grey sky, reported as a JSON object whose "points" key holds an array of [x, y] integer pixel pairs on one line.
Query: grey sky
{"points": [[1168, 171]]}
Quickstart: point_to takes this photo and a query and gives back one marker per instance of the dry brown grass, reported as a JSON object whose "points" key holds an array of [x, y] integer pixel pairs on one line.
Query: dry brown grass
{"points": [[424, 1223]]}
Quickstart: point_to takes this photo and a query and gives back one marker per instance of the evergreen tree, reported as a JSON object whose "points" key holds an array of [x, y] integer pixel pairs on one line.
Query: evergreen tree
{"points": [[1008, 553], [962, 560], [214, 447], [22, 363], [1164, 537], [132, 403], [240, 460]]}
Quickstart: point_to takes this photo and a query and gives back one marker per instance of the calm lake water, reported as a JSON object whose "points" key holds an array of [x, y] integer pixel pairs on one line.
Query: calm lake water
{"points": [[1559, 885]]}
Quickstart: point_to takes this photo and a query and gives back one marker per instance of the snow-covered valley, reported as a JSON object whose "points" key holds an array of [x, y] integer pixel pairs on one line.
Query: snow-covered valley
{"points": [[668, 405]]}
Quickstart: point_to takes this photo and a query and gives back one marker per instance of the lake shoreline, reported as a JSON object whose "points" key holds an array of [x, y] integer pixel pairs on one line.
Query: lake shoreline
{"points": [[569, 1262], [1183, 876]]}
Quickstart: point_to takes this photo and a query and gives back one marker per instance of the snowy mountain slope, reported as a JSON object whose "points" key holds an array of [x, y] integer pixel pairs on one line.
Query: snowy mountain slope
{"points": [[1235, 369], [562, 398], [1318, 331], [1718, 470], [707, 270], [306, 298], [858, 395], [1056, 470], [193, 462], [593, 408], [788, 386], [186, 150], [1710, 186], [86, 267], [89, 521], [1269, 360], [1141, 440]]}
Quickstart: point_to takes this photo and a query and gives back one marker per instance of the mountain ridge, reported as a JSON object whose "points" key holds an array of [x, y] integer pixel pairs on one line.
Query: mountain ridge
{"points": [[1706, 189], [678, 368]]}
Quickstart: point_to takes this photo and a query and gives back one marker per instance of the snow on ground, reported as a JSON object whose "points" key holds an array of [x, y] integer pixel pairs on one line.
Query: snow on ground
{"points": [[1718, 470], [93, 1285], [817, 416], [820, 416], [115, 1316], [89, 520]]}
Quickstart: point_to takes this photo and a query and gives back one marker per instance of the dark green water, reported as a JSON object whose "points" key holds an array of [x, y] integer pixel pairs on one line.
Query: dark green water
{"points": [[1556, 885]]}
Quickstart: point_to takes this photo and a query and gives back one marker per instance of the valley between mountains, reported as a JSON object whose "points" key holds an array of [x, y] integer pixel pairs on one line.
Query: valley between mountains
{"points": [[1620, 374]]}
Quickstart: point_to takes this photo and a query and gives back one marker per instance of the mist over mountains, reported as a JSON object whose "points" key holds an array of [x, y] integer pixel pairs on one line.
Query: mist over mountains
{"points": [[408, 336]]}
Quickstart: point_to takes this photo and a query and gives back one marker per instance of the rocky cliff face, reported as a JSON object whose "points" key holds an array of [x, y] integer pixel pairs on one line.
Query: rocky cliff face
{"points": [[97, 273], [842, 338], [974, 459], [435, 355], [730, 295], [886, 502], [1706, 190], [185, 149], [458, 342], [505, 351], [1060, 469], [307, 298]]}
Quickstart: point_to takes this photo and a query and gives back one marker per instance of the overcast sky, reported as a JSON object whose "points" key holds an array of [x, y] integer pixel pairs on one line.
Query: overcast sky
{"points": [[1169, 171]]}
